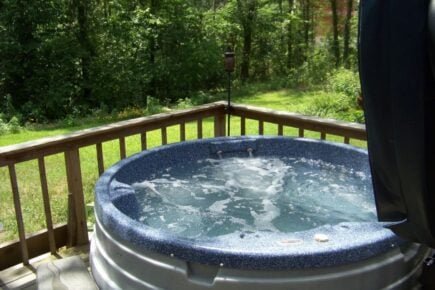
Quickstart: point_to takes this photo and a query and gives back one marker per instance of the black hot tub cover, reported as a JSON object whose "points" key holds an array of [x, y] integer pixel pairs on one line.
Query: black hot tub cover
{"points": [[398, 89]]}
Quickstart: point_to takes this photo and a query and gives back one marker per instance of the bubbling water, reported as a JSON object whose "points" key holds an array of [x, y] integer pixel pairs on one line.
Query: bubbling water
{"points": [[214, 197]]}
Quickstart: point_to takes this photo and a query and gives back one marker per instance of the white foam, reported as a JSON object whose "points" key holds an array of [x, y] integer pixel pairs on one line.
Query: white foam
{"points": [[220, 196]]}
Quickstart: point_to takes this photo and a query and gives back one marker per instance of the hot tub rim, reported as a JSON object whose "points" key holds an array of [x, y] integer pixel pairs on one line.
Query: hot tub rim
{"points": [[141, 236]]}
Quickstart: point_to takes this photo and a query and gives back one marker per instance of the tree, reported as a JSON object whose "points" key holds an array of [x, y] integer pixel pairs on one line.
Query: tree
{"points": [[87, 51], [335, 31], [247, 12], [346, 33]]}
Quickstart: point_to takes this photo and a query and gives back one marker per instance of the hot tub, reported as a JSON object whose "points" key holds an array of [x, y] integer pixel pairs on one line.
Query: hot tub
{"points": [[140, 244]]}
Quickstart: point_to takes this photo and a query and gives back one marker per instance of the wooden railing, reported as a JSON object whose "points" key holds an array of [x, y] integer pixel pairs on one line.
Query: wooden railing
{"points": [[75, 231]]}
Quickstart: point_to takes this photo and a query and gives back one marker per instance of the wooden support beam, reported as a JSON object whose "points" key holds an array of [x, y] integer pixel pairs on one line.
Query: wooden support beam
{"points": [[182, 131], [19, 215], [77, 224], [323, 135], [243, 126], [219, 125], [100, 159], [280, 130], [199, 128], [260, 127], [47, 208], [164, 136], [143, 141], [122, 149]]}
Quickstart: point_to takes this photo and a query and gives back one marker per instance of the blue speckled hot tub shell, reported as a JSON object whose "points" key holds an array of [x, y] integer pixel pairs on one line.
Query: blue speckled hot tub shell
{"points": [[348, 242]]}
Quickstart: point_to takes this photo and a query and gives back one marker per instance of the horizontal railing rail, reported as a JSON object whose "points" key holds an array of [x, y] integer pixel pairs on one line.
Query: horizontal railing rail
{"points": [[323, 126], [75, 232]]}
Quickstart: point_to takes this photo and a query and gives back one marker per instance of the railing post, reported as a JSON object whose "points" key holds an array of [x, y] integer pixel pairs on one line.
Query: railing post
{"points": [[77, 225], [219, 123]]}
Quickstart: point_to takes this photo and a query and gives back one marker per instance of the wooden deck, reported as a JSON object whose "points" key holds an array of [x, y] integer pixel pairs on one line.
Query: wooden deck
{"points": [[24, 277], [25, 253]]}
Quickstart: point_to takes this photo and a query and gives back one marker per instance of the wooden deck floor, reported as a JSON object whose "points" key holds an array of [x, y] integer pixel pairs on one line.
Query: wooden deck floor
{"points": [[24, 277]]}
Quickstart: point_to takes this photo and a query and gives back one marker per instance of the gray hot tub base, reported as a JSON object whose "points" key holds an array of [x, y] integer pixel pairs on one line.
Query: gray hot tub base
{"points": [[119, 266]]}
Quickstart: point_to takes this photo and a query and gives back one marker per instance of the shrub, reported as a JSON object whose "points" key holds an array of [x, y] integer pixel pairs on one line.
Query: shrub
{"points": [[184, 103], [326, 106], [336, 106], [3, 127], [313, 72], [14, 125], [153, 106], [346, 82]]}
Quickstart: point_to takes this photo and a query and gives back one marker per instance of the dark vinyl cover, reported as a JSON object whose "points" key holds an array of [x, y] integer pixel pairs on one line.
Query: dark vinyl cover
{"points": [[398, 90]]}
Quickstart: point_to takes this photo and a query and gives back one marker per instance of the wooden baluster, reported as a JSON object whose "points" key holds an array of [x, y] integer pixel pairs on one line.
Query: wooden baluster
{"points": [[183, 132], [199, 128], [122, 151], [19, 215], [100, 158], [280, 130], [243, 126], [260, 127], [346, 140], [47, 208], [219, 125], [301, 132], [77, 224], [143, 141], [164, 136], [323, 135]]}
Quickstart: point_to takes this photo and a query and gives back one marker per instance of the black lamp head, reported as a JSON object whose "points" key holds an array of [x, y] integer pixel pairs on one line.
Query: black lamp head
{"points": [[230, 60]]}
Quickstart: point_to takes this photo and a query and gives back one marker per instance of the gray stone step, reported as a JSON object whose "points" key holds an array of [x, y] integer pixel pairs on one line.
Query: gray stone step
{"points": [[65, 274]]}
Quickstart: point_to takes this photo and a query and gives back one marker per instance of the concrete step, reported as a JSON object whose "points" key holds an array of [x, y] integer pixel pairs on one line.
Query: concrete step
{"points": [[65, 274]]}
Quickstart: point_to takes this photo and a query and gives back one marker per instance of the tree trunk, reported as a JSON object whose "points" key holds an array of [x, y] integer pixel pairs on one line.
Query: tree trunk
{"points": [[86, 49], [290, 37], [335, 43], [247, 12], [18, 83], [346, 33], [307, 21], [152, 48]]}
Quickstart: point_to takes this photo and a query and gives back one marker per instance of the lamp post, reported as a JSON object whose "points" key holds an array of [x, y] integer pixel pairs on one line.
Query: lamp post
{"points": [[230, 63]]}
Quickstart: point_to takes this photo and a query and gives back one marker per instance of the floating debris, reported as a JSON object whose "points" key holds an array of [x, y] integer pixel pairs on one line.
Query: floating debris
{"points": [[322, 238]]}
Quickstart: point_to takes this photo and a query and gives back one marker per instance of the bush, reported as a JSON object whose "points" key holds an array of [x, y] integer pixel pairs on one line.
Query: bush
{"points": [[313, 72], [184, 103], [336, 106], [3, 127], [326, 106], [14, 125], [347, 83], [153, 106]]}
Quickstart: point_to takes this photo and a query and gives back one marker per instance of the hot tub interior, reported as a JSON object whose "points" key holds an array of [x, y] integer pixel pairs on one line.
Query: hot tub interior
{"points": [[255, 204], [222, 195]]}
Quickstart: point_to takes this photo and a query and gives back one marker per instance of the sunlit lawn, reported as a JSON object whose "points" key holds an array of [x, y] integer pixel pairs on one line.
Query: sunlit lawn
{"points": [[28, 175]]}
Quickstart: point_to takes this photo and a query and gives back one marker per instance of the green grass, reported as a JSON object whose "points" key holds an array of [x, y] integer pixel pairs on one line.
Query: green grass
{"points": [[28, 174]]}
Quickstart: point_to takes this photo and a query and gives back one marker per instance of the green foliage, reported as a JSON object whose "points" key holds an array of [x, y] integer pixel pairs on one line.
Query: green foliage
{"points": [[314, 71], [153, 106], [327, 105], [184, 103], [3, 127], [341, 102], [66, 59], [346, 82], [14, 125]]}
